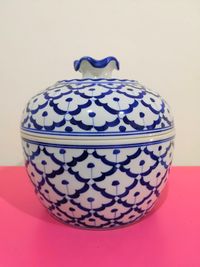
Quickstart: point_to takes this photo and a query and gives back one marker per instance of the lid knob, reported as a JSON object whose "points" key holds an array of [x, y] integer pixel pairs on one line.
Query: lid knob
{"points": [[92, 68]]}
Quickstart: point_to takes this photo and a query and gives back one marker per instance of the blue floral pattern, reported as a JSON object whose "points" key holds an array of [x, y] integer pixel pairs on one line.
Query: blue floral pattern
{"points": [[96, 106], [97, 187]]}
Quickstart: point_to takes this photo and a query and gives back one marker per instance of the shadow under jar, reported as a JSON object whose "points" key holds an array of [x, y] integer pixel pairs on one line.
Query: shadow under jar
{"points": [[97, 149]]}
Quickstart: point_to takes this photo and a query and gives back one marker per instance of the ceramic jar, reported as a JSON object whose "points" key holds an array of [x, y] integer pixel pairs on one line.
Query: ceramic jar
{"points": [[97, 149]]}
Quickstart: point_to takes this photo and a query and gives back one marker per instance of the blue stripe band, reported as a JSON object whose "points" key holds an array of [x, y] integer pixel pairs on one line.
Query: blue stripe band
{"points": [[98, 146], [160, 130]]}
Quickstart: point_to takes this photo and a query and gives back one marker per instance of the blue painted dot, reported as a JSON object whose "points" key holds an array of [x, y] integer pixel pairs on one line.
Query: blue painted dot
{"points": [[62, 151], [27, 145], [92, 89], [159, 148], [32, 174], [29, 125], [162, 124], [136, 194], [71, 209], [90, 199], [116, 99], [46, 191], [142, 115], [57, 90], [152, 100], [142, 162], [114, 210], [44, 114], [35, 100], [115, 183], [149, 201], [91, 220], [116, 151], [44, 162], [158, 174], [129, 89], [69, 99], [68, 129], [132, 216], [65, 182], [122, 128], [90, 165], [92, 114], [58, 214]]}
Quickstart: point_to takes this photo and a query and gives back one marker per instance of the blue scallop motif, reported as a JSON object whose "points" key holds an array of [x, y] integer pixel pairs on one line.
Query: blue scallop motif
{"points": [[106, 97], [105, 208]]}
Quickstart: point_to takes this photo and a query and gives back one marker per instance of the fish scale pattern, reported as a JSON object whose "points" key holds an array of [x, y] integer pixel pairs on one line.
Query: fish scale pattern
{"points": [[98, 187], [98, 106]]}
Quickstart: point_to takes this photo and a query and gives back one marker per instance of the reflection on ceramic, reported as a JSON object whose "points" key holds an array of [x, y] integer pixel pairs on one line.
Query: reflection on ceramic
{"points": [[97, 150]]}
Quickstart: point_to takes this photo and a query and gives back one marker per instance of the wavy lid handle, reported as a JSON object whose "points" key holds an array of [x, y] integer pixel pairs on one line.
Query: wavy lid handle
{"points": [[92, 68]]}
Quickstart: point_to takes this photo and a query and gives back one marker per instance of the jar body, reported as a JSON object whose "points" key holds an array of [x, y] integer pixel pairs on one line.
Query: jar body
{"points": [[98, 186]]}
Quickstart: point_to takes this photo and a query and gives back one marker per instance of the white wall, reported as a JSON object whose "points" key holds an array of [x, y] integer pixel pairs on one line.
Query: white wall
{"points": [[157, 43]]}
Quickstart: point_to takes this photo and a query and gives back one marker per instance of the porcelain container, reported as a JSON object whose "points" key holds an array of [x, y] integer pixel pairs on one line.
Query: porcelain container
{"points": [[98, 150]]}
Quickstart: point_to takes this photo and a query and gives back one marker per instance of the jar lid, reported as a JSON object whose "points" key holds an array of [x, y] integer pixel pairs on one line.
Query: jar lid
{"points": [[96, 105]]}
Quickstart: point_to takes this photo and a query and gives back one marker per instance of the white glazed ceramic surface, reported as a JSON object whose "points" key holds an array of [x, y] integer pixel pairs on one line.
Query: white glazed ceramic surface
{"points": [[98, 150]]}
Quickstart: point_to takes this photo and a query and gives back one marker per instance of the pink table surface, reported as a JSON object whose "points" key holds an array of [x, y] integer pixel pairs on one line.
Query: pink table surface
{"points": [[169, 236]]}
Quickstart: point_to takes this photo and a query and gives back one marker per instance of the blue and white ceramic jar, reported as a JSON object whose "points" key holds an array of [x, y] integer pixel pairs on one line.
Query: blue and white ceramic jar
{"points": [[97, 149]]}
